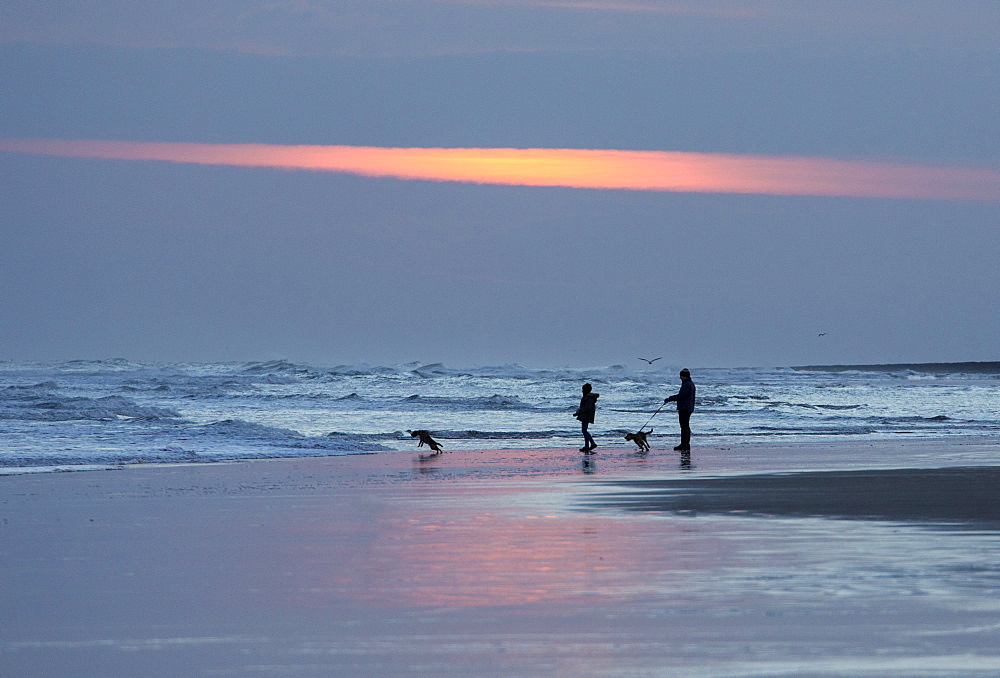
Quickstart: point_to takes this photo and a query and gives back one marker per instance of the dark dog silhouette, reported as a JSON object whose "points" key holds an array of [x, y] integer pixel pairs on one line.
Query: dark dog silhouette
{"points": [[639, 439], [425, 439]]}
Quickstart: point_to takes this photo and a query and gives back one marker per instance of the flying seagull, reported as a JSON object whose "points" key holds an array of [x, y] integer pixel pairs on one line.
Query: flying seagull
{"points": [[821, 334], [651, 361]]}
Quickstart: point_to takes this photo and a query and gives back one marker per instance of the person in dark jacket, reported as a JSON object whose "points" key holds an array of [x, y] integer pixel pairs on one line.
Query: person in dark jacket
{"points": [[685, 406], [585, 413]]}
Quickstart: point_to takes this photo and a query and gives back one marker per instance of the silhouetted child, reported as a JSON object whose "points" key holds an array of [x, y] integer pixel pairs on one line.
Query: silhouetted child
{"points": [[585, 413]]}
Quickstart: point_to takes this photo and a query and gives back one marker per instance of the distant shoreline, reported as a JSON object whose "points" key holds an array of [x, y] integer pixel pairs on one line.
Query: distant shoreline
{"points": [[931, 368]]}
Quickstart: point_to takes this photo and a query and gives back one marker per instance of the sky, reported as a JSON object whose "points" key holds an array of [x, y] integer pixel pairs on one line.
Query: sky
{"points": [[481, 182]]}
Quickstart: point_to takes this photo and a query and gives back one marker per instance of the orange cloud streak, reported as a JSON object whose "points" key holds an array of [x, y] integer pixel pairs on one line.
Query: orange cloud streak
{"points": [[573, 168]]}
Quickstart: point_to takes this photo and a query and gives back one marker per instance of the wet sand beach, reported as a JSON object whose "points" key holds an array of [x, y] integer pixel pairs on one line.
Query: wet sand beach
{"points": [[829, 560], [961, 497]]}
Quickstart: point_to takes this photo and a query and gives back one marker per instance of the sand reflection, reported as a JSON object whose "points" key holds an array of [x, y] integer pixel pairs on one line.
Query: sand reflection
{"points": [[440, 549]]}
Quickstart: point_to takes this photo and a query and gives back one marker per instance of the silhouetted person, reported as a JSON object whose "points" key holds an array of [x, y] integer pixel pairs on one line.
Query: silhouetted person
{"points": [[585, 413], [685, 406]]}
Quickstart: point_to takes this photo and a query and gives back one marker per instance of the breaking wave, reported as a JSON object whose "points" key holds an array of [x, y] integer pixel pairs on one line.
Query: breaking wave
{"points": [[41, 403], [105, 413]]}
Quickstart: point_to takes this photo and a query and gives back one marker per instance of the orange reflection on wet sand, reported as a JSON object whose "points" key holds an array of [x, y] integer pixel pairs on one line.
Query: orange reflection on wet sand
{"points": [[441, 549], [571, 168]]}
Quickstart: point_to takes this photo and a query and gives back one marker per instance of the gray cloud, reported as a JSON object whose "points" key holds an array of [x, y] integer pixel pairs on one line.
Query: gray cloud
{"points": [[148, 260], [427, 27]]}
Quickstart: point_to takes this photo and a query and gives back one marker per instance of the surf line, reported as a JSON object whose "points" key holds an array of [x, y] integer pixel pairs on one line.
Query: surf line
{"points": [[608, 169]]}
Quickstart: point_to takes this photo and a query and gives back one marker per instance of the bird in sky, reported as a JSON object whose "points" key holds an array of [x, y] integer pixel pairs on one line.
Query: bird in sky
{"points": [[651, 361], [822, 334]]}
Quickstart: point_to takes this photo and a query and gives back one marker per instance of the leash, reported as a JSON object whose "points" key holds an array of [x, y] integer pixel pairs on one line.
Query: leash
{"points": [[651, 417]]}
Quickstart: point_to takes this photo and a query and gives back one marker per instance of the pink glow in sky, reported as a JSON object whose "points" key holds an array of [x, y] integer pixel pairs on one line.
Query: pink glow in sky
{"points": [[572, 168]]}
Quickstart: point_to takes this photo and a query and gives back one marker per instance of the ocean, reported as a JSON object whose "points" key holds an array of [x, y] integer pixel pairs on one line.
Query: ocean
{"points": [[84, 414]]}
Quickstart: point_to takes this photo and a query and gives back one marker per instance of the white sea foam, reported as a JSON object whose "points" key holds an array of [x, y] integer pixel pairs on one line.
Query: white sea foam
{"points": [[118, 412]]}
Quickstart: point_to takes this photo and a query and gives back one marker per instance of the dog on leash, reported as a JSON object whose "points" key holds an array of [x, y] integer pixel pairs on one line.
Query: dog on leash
{"points": [[639, 439], [425, 439]]}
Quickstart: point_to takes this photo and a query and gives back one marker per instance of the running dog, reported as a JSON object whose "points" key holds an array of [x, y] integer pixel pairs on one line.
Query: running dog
{"points": [[639, 439], [425, 439]]}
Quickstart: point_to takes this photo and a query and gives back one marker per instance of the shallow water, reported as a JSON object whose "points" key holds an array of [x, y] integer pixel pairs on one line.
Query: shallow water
{"points": [[316, 568], [103, 414]]}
